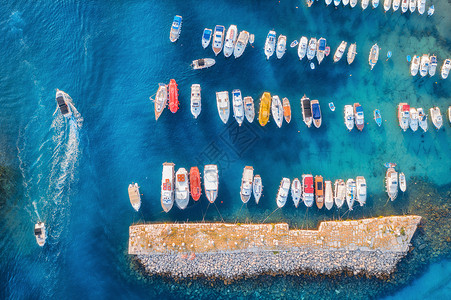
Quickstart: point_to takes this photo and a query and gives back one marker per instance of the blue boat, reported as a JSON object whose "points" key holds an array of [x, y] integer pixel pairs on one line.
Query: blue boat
{"points": [[389, 165], [176, 28], [378, 117], [331, 106], [206, 37], [316, 112]]}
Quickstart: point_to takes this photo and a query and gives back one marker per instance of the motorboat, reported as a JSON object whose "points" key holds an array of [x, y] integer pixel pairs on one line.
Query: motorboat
{"points": [[402, 182], [319, 191], [257, 188], [251, 39], [238, 106], [196, 104], [424, 65], [391, 183], [412, 5], [181, 188], [161, 100], [421, 6], [246, 184], [387, 5], [211, 182], [422, 119], [206, 37], [358, 116], [431, 10], [281, 46], [296, 191], [375, 3], [415, 65], [302, 48], [432, 65], [351, 191], [320, 52], [40, 233], [345, 2], [403, 115], [62, 100], [404, 6], [436, 117], [311, 50], [223, 103], [195, 185], [241, 44], [308, 190], [134, 195], [396, 4], [327, 51], [414, 119], [230, 41], [202, 63], [176, 28], [331, 106], [167, 186], [294, 43], [365, 4], [270, 44], [249, 110], [340, 51], [328, 2], [353, 3], [218, 39], [374, 56], [316, 113], [306, 111], [340, 192], [173, 96], [282, 193], [337, 2], [445, 68], [312, 66], [277, 110], [349, 117], [286, 110], [351, 53], [378, 117], [265, 109], [328, 194], [361, 190]]}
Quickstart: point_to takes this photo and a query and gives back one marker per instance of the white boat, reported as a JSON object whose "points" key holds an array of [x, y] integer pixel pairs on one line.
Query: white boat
{"points": [[202, 63], [62, 100], [238, 107], [340, 192], [281, 46], [424, 65], [432, 65], [402, 182], [306, 111], [270, 44], [337, 2], [311, 50], [349, 117], [374, 56], [218, 39], [246, 184], [351, 53], [365, 4], [449, 114], [223, 103], [404, 115], [251, 39], [161, 100], [230, 41], [351, 191], [249, 109], [167, 186], [361, 190], [375, 3], [302, 48], [353, 3], [340, 51], [40, 233], [345, 2], [206, 37], [387, 5], [412, 5], [391, 183], [211, 182], [415, 65], [431, 10], [282, 193], [328, 195], [414, 119], [241, 44], [404, 6], [308, 190], [320, 52], [257, 188], [181, 188], [176, 28], [196, 104], [296, 191], [328, 2], [134, 195], [445, 68], [396, 4], [436, 117], [421, 6], [422, 119], [277, 110]]}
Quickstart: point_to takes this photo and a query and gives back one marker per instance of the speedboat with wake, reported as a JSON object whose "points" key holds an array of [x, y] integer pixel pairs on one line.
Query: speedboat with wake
{"points": [[328, 195], [436, 117], [351, 191], [432, 65], [286, 110], [238, 107], [246, 184], [424, 65], [307, 189], [306, 111], [349, 117], [264, 110], [222, 101], [176, 28], [40, 233], [196, 105], [281, 46], [414, 119], [374, 56], [422, 119], [211, 182], [445, 68], [296, 191], [316, 113], [161, 100], [249, 110], [351, 53], [282, 193], [311, 50], [319, 191], [202, 63], [134, 195], [173, 96], [62, 100], [257, 188], [361, 190], [194, 181], [270, 44], [218, 39], [403, 115], [241, 44], [415, 65], [320, 53], [359, 117], [181, 188], [206, 37], [230, 41], [391, 183], [167, 186], [402, 182], [340, 192], [302, 48], [340, 51], [378, 117], [277, 110]]}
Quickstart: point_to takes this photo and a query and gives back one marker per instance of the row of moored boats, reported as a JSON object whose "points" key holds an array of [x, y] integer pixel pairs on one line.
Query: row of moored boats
{"points": [[426, 64], [410, 117], [403, 5]]}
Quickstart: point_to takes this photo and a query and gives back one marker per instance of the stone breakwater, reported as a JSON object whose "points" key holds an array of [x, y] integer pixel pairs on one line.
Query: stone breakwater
{"points": [[371, 246]]}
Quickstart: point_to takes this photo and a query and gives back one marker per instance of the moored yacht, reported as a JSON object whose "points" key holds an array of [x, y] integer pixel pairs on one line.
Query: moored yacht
{"points": [[319, 191], [306, 111], [359, 117], [374, 56], [302, 48], [173, 96], [436, 117], [161, 100], [404, 6], [403, 115], [424, 65], [230, 41], [387, 5], [351, 192], [218, 39], [316, 113], [286, 110], [340, 192], [222, 101], [412, 5], [421, 6], [238, 107], [311, 50], [181, 188], [196, 105], [415, 65], [211, 182], [345, 2], [365, 4], [328, 2], [167, 186], [257, 188], [361, 190], [249, 109], [402, 182], [194, 182], [337, 2], [265, 109], [176, 28], [206, 37], [422, 119], [307, 189], [445, 68], [40, 233], [62, 102], [296, 191], [320, 53], [281, 46], [134, 195], [328, 195], [340, 51], [270, 44], [282, 193], [241, 44], [396, 4], [391, 183], [414, 119], [246, 184], [277, 110], [351, 53], [349, 117], [353, 3], [432, 65]]}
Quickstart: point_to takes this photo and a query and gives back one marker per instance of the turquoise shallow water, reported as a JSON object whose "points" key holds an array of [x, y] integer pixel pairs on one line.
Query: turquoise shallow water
{"points": [[110, 57]]}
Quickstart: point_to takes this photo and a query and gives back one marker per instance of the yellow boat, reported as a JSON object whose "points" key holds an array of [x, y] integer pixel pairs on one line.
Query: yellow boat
{"points": [[265, 106]]}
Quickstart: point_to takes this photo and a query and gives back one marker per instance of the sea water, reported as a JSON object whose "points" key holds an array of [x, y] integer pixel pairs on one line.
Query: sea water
{"points": [[109, 56]]}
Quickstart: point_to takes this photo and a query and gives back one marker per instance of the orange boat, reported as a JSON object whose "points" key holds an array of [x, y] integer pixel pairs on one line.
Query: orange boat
{"points": [[319, 191], [286, 110], [173, 96], [194, 180]]}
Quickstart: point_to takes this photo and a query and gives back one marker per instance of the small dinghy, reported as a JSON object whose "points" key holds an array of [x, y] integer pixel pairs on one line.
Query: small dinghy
{"points": [[202, 63], [402, 182], [431, 10], [312, 66], [328, 195], [206, 37], [327, 51], [294, 43], [378, 117], [331, 106], [251, 39]]}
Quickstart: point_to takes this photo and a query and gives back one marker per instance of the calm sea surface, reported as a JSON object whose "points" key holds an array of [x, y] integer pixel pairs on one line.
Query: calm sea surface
{"points": [[109, 56]]}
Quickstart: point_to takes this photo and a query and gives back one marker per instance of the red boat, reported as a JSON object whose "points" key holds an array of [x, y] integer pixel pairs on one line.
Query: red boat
{"points": [[173, 96], [194, 181]]}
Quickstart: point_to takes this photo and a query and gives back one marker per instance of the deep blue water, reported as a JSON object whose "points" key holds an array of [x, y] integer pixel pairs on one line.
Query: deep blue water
{"points": [[109, 56]]}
